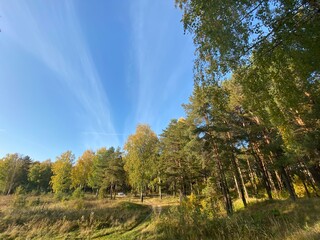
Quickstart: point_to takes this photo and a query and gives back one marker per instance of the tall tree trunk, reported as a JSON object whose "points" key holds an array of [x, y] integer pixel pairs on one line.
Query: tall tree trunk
{"points": [[272, 184], [9, 190], [305, 187], [315, 172], [237, 171], [252, 177], [224, 184], [288, 183], [97, 193], [237, 187], [279, 183], [226, 193], [115, 192], [184, 188], [275, 185], [141, 195], [309, 177], [266, 182], [238, 180], [242, 181], [275, 175], [160, 192]]}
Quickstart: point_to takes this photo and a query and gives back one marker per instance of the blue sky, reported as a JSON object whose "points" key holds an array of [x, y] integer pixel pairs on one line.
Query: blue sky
{"points": [[77, 75]]}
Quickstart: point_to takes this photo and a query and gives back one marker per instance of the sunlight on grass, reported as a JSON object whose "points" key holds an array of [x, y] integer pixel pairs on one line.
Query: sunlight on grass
{"points": [[43, 217]]}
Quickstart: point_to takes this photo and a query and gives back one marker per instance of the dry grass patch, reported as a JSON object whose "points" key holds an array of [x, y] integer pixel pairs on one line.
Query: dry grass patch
{"points": [[43, 217]]}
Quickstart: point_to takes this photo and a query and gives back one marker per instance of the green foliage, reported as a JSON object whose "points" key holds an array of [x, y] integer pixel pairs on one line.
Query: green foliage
{"points": [[226, 33], [61, 169], [39, 176], [140, 159], [180, 158], [20, 197], [275, 87], [115, 176], [210, 204], [107, 170], [13, 172], [61, 196], [269, 106], [81, 171], [97, 174], [77, 193]]}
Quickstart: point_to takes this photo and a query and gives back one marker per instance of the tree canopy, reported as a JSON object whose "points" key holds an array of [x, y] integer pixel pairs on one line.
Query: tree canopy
{"points": [[228, 34], [140, 157]]}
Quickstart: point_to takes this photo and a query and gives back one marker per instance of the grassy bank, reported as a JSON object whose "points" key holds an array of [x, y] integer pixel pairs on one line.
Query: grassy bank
{"points": [[277, 219], [43, 217]]}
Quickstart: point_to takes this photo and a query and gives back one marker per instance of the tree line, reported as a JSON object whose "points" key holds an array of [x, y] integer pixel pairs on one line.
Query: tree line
{"points": [[93, 171]]}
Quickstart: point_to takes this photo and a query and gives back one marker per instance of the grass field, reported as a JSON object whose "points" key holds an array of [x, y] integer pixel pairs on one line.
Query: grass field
{"points": [[43, 217]]}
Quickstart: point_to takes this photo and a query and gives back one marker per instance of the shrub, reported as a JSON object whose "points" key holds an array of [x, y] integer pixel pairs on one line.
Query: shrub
{"points": [[61, 196], [20, 197], [77, 193]]}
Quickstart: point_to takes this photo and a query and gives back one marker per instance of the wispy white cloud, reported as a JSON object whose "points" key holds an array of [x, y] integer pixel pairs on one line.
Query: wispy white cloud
{"points": [[52, 33], [149, 50], [159, 80]]}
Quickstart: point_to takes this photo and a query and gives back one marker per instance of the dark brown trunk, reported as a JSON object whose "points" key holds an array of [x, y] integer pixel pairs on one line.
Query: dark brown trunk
{"points": [[141, 196], [288, 183], [252, 177], [224, 184], [314, 175], [277, 184], [265, 178], [243, 184], [237, 171], [306, 188], [308, 177], [115, 191], [238, 180], [237, 187], [160, 192]]}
